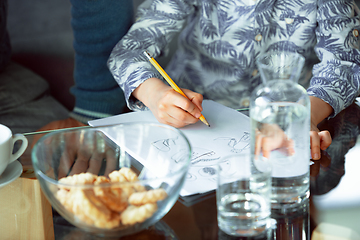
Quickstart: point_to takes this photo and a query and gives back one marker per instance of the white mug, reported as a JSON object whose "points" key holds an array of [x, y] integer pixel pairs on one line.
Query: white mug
{"points": [[7, 143]]}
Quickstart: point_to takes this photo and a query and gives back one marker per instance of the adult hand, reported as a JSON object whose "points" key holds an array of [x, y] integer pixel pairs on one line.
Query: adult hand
{"points": [[85, 151], [82, 151], [167, 105]]}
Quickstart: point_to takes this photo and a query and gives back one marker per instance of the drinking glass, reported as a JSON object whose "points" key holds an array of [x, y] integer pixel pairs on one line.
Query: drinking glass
{"points": [[243, 195]]}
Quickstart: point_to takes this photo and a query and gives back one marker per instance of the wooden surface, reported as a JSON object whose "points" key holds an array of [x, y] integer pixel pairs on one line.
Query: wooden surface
{"points": [[25, 213]]}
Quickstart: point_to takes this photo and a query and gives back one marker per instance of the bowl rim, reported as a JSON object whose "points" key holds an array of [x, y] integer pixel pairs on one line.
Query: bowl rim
{"points": [[39, 172]]}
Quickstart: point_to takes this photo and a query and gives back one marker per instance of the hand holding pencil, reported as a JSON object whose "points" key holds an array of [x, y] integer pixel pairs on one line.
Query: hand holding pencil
{"points": [[170, 81], [168, 105]]}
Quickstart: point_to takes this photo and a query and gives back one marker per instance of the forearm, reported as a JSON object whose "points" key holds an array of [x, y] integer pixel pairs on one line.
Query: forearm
{"points": [[334, 78], [159, 22], [319, 110]]}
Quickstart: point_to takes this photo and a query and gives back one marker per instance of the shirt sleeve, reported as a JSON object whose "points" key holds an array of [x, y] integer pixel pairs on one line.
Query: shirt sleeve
{"points": [[336, 77], [156, 24]]}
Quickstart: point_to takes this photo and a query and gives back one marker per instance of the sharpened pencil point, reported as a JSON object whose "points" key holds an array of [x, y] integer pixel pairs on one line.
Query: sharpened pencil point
{"points": [[202, 118]]}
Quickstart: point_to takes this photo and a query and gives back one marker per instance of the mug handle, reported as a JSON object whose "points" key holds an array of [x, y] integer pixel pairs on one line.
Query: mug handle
{"points": [[21, 150]]}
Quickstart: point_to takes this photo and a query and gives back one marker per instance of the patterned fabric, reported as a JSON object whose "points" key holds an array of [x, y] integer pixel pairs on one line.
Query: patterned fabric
{"points": [[220, 40]]}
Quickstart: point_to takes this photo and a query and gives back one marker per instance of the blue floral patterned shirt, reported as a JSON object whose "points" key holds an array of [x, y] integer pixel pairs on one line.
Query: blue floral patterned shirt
{"points": [[220, 40]]}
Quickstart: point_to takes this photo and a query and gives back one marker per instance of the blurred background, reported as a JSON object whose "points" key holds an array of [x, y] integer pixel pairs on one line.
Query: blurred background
{"points": [[42, 38]]}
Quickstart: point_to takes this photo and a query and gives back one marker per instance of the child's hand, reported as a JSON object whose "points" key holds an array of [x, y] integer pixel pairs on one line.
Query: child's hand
{"points": [[168, 106], [318, 141], [271, 137]]}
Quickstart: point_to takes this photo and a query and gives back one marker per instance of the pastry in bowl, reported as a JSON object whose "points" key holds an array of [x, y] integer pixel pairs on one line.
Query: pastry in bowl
{"points": [[113, 180]]}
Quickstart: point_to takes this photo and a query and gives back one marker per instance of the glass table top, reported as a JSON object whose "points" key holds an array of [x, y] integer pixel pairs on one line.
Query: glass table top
{"points": [[334, 192]]}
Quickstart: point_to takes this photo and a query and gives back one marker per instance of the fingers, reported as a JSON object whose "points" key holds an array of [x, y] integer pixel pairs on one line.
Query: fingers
{"points": [[182, 115], [97, 154], [315, 145], [267, 141], [111, 161], [66, 162], [289, 146], [81, 165], [195, 98], [167, 105], [271, 137], [68, 154], [325, 139], [319, 141], [178, 111], [87, 153], [175, 116], [84, 153], [266, 147], [95, 162], [106, 156], [258, 140]]}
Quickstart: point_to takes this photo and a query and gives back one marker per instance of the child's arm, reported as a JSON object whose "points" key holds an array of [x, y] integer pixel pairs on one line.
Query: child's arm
{"points": [[319, 140]]}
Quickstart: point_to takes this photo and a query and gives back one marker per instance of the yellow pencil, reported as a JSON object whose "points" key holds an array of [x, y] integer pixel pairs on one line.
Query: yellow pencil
{"points": [[170, 81]]}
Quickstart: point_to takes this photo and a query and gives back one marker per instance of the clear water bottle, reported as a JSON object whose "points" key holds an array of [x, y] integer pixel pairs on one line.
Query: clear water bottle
{"points": [[280, 127]]}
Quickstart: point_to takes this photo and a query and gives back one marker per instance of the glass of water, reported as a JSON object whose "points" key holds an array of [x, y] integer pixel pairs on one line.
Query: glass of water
{"points": [[243, 195]]}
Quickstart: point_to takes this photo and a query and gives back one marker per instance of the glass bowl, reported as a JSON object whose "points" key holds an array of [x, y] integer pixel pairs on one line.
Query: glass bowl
{"points": [[113, 180]]}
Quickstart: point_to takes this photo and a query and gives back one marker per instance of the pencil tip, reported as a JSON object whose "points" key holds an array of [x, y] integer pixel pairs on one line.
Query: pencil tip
{"points": [[202, 118]]}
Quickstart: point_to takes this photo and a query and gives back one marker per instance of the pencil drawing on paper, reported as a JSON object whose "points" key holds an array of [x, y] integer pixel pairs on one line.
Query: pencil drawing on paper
{"points": [[190, 177], [203, 161], [236, 145], [164, 145], [201, 156], [207, 171], [198, 155]]}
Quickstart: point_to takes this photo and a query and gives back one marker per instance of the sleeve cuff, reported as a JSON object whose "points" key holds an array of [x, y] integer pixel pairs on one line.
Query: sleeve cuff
{"points": [[84, 116]]}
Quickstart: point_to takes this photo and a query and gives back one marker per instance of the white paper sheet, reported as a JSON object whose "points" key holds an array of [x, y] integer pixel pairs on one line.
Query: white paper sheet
{"points": [[229, 133]]}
